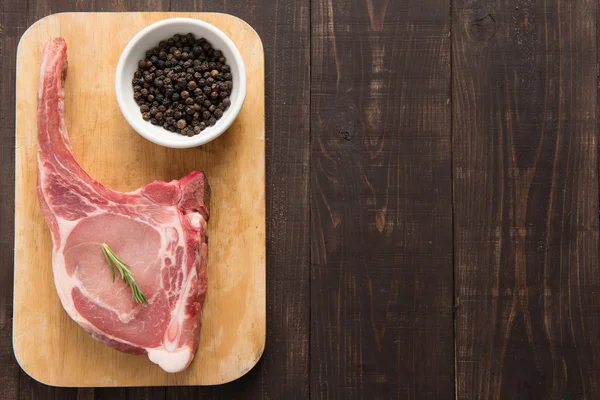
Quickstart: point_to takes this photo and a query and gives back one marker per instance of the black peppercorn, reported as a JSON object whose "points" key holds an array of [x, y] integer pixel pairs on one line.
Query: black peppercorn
{"points": [[183, 84]]}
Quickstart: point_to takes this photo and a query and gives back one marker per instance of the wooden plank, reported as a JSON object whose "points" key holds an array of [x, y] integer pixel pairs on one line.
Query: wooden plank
{"points": [[381, 210], [30, 389], [233, 323], [283, 372], [526, 199], [12, 24]]}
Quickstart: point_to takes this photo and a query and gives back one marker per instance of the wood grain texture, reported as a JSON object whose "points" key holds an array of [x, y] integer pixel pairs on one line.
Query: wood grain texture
{"points": [[12, 25], [526, 199], [233, 331], [381, 204]]}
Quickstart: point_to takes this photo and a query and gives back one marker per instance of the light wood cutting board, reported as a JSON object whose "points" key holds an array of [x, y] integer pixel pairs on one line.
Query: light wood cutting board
{"points": [[48, 344]]}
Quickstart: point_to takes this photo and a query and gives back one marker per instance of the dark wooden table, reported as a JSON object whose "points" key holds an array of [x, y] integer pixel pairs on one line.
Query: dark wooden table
{"points": [[432, 194]]}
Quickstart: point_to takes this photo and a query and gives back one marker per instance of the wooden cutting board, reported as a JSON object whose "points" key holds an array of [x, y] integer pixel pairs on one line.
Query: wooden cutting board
{"points": [[47, 343]]}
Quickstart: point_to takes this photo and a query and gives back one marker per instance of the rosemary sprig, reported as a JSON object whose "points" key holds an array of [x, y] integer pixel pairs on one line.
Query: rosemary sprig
{"points": [[114, 262]]}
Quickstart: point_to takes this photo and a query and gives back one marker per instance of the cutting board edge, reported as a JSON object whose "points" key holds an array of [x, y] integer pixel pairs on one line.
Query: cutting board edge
{"points": [[17, 346]]}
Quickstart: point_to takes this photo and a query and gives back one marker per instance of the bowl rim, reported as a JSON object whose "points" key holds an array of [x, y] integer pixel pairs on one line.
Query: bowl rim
{"points": [[139, 125]]}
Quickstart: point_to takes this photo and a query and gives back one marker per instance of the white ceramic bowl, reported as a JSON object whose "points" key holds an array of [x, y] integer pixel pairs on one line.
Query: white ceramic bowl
{"points": [[148, 38]]}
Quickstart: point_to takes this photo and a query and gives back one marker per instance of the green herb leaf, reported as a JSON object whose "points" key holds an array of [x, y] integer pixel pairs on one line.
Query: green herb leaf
{"points": [[114, 262]]}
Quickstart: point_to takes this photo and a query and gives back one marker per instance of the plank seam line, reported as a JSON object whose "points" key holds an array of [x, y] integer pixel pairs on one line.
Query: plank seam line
{"points": [[309, 198], [454, 308]]}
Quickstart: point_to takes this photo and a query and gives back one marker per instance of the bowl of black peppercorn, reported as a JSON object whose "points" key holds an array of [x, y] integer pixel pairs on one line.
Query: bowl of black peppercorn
{"points": [[180, 82]]}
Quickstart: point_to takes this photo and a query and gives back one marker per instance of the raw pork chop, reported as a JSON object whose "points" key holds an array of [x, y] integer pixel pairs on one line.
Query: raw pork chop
{"points": [[159, 230]]}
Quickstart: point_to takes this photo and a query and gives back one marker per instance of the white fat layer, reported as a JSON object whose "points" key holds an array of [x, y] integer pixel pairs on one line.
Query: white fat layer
{"points": [[171, 361], [178, 313]]}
